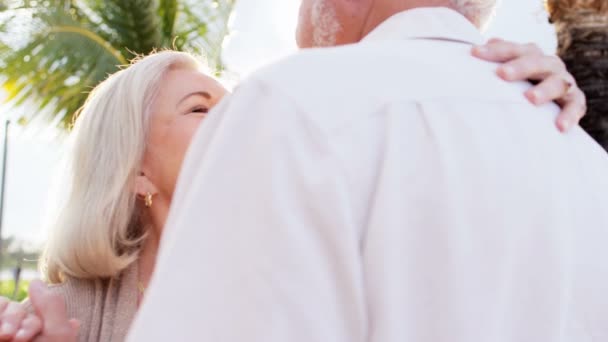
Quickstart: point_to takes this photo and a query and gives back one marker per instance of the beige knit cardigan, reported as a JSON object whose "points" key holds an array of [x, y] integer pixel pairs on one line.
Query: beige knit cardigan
{"points": [[105, 308]]}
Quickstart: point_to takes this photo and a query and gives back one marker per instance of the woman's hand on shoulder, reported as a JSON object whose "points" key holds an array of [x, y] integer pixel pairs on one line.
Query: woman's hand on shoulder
{"points": [[520, 62]]}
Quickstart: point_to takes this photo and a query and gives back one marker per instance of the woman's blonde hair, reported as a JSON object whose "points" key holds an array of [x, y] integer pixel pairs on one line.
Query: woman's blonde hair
{"points": [[96, 231]]}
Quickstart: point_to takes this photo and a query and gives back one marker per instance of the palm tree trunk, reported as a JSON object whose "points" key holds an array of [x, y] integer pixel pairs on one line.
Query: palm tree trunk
{"points": [[582, 29]]}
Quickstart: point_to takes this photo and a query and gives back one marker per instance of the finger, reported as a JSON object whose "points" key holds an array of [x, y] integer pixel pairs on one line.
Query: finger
{"points": [[503, 51], [11, 321], [48, 305], [495, 40], [554, 88], [30, 327], [532, 67], [3, 304], [574, 108]]}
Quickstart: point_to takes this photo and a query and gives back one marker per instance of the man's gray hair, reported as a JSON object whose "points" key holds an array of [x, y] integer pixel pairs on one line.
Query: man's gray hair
{"points": [[478, 11]]}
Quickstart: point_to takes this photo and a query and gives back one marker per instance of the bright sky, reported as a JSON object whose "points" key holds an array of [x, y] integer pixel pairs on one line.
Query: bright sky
{"points": [[263, 31]]}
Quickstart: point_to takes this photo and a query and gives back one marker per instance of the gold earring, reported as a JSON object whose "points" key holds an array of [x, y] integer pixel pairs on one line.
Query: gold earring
{"points": [[148, 200]]}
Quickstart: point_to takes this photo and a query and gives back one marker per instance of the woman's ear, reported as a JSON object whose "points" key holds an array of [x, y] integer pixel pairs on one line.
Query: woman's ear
{"points": [[144, 186]]}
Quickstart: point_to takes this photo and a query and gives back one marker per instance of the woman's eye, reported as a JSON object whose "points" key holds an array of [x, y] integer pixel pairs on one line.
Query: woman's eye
{"points": [[200, 110]]}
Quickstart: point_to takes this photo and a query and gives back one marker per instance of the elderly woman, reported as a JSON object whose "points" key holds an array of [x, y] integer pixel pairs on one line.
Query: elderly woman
{"points": [[127, 148]]}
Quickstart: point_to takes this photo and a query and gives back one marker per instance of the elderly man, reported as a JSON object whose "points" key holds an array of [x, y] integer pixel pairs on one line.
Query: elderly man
{"points": [[392, 189]]}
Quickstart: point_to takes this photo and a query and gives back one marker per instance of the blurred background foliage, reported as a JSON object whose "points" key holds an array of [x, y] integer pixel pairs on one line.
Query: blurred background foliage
{"points": [[53, 52], [7, 289], [582, 30]]}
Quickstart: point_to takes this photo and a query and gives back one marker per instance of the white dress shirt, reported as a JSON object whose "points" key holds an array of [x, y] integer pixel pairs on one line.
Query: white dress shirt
{"points": [[393, 190]]}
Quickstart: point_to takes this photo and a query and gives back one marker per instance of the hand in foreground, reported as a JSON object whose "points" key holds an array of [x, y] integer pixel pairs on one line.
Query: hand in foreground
{"points": [[16, 324], [50, 307], [522, 62]]}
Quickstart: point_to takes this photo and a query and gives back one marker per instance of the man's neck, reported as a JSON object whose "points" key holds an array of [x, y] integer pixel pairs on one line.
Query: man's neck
{"points": [[384, 9]]}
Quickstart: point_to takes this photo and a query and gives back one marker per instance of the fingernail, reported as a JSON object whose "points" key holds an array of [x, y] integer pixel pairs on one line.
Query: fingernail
{"points": [[21, 334], [537, 96], [482, 50], [7, 329], [508, 71]]}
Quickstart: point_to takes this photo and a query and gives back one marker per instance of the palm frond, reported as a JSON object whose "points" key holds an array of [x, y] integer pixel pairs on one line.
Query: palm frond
{"points": [[64, 48], [133, 24], [168, 10], [62, 60]]}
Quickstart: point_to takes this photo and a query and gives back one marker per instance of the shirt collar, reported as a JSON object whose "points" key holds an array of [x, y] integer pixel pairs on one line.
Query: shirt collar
{"points": [[438, 23]]}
